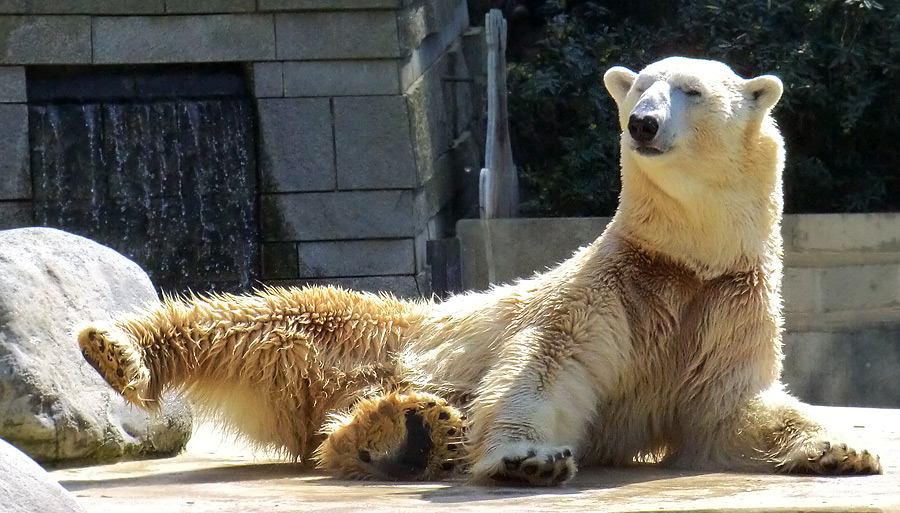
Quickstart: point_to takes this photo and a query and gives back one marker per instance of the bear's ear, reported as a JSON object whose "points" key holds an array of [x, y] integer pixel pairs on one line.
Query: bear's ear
{"points": [[764, 91], [618, 81]]}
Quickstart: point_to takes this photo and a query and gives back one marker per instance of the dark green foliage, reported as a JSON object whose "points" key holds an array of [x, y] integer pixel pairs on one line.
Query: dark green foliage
{"points": [[840, 114]]}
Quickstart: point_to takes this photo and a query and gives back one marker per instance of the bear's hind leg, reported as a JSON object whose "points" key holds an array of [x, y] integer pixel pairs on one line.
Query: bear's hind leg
{"points": [[812, 450], [412, 436], [118, 360]]}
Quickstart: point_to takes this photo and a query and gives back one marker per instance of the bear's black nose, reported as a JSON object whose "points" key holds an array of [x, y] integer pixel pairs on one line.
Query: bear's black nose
{"points": [[642, 128]]}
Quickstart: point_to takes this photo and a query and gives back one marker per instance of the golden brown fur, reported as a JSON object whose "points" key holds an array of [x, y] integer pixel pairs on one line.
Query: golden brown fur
{"points": [[273, 364], [658, 342]]}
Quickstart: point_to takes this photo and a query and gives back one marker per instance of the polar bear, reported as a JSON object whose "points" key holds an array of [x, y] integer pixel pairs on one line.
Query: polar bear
{"points": [[659, 342]]}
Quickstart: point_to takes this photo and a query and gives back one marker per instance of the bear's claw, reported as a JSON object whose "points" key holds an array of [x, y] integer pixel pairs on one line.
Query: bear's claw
{"points": [[830, 458], [528, 464]]}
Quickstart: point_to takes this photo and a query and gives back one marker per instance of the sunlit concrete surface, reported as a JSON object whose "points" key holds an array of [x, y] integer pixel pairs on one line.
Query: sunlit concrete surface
{"points": [[217, 474]]}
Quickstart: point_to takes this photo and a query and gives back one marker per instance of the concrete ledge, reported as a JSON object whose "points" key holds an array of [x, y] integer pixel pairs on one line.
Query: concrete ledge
{"points": [[841, 292], [216, 474], [839, 265], [842, 232], [503, 250]]}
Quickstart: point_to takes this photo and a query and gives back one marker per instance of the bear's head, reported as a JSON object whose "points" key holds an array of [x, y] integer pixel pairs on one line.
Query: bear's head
{"points": [[701, 156], [681, 110]]}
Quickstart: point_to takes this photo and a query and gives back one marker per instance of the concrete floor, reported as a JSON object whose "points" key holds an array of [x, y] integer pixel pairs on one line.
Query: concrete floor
{"points": [[216, 474]]}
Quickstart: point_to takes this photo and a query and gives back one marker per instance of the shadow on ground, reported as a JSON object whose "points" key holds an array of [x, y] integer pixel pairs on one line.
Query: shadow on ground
{"points": [[230, 473], [439, 492]]}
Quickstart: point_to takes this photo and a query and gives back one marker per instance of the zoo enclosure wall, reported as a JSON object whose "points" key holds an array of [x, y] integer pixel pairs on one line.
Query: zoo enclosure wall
{"points": [[841, 293]]}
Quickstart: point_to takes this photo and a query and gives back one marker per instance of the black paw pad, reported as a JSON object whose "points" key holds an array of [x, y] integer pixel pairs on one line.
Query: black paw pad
{"points": [[548, 469], [410, 459]]}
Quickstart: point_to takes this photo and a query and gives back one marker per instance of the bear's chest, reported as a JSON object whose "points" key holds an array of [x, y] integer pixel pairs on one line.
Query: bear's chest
{"points": [[688, 336]]}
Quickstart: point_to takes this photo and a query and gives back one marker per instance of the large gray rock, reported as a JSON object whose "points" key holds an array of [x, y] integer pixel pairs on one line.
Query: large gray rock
{"points": [[53, 405], [26, 488]]}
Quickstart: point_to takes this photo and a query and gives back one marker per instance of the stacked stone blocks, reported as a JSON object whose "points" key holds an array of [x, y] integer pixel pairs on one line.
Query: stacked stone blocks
{"points": [[358, 127]]}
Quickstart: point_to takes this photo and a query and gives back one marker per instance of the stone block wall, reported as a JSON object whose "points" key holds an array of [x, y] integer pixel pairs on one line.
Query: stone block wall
{"points": [[365, 112]]}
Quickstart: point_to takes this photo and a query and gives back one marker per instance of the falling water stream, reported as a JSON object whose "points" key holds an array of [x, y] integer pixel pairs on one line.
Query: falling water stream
{"points": [[170, 183]]}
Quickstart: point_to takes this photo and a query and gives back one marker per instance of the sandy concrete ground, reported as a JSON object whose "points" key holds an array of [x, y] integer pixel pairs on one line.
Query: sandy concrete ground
{"points": [[217, 474]]}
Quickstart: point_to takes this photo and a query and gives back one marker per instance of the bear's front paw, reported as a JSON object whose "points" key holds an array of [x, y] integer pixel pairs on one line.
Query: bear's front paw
{"points": [[829, 457], [118, 361], [526, 463]]}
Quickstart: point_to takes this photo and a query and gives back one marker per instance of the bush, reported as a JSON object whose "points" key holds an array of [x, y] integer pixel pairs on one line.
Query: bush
{"points": [[839, 60]]}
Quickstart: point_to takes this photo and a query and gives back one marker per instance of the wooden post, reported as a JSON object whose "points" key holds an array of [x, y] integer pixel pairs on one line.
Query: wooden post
{"points": [[498, 185]]}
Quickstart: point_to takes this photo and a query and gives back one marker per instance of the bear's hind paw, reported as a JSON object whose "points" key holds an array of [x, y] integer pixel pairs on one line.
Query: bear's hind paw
{"points": [[399, 436], [119, 363]]}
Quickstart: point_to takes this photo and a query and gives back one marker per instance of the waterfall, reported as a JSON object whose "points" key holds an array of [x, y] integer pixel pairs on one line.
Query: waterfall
{"points": [[169, 183]]}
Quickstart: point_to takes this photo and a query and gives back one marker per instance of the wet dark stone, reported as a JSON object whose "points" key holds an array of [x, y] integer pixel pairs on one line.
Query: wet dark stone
{"points": [[167, 178]]}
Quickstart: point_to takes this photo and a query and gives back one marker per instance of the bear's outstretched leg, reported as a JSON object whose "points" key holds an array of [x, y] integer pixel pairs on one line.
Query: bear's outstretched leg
{"points": [[398, 436], [775, 433], [272, 364], [798, 444]]}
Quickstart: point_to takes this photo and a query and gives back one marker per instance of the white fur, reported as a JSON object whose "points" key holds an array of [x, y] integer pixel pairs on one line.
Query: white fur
{"points": [[661, 340]]}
